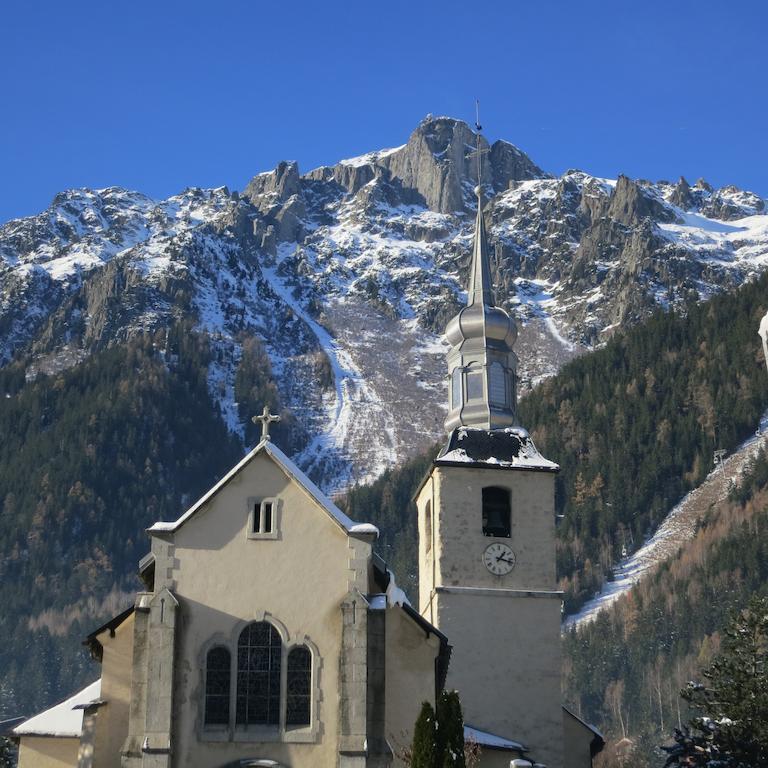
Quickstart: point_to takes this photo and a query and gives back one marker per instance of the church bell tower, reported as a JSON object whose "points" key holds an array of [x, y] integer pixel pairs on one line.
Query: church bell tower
{"points": [[487, 534]]}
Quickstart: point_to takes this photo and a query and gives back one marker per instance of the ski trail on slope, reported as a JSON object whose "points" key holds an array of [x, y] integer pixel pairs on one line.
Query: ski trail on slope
{"points": [[349, 410], [677, 527]]}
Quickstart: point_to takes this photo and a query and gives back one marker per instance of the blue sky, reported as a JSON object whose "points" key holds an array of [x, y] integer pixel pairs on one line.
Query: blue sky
{"points": [[159, 95]]}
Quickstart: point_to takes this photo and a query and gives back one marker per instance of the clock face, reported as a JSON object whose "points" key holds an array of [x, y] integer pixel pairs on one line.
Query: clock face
{"points": [[499, 558]]}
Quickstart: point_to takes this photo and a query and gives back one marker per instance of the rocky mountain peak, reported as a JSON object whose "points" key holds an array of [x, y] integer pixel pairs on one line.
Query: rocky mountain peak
{"points": [[681, 196], [280, 184], [350, 265], [438, 163], [631, 203]]}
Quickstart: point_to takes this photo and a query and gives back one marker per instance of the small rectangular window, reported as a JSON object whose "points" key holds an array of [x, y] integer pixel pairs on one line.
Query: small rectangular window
{"points": [[263, 518]]}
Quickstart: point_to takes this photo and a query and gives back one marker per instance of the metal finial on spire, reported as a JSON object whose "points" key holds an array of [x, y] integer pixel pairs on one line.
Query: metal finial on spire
{"points": [[479, 129], [266, 418], [478, 152]]}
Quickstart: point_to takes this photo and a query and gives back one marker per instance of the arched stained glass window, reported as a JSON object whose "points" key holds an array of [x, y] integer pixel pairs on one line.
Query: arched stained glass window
{"points": [[217, 676], [299, 675], [497, 512], [259, 652]]}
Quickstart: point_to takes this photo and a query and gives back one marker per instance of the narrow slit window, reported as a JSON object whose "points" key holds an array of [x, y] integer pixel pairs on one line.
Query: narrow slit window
{"points": [[497, 512], [266, 513], [428, 524], [257, 518]]}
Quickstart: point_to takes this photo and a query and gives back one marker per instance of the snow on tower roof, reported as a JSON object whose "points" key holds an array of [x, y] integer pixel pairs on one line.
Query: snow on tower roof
{"points": [[293, 472], [64, 719], [506, 448]]}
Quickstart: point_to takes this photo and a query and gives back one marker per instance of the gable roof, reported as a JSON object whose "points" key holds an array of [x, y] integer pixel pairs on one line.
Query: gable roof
{"points": [[92, 641], [64, 719], [348, 525], [598, 740]]}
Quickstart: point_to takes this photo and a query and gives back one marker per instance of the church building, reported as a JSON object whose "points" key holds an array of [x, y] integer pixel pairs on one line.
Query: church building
{"points": [[270, 633]]}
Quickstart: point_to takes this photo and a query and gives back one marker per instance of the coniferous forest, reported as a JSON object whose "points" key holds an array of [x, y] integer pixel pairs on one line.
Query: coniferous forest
{"points": [[92, 455], [88, 459], [633, 425]]}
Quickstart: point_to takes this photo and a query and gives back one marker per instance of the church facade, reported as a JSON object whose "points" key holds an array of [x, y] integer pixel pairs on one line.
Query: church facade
{"points": [[270, 633]]}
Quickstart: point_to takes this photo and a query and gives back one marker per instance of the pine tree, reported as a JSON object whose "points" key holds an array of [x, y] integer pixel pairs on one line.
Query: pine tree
{"points": [[424, 738], [731, 728], [450, 731], [7, 753]]}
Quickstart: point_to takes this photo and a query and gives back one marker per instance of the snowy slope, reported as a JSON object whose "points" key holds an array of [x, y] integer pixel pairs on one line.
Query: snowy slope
{"points": [[363, 263], [678, 526]]}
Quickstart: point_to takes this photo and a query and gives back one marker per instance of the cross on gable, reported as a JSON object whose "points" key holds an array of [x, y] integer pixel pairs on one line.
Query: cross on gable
{"points": [[266, 418]]}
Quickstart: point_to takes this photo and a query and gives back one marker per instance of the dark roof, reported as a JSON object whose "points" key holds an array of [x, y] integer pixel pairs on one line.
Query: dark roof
{"points": [[507, 448], [93, 644], [381, 579]]}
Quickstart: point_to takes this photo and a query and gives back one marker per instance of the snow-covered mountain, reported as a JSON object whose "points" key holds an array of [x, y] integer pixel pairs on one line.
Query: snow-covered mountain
{"points": [[355, 268]]}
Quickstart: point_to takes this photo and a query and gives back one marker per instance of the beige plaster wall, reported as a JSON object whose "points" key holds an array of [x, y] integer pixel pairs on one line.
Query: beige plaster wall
{"points": [[506, 666], [410, 675], [48, 752], [577, 743], [112, 719], [224, 580]]}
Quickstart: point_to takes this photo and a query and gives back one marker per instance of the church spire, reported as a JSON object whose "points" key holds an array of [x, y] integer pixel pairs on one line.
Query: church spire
{"points": [[480, 289], [482, 365]]}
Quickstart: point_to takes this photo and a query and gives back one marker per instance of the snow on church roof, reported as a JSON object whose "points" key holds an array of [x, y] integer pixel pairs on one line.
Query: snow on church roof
{"points": [[290, 469], [491, 740], [64, 719]]}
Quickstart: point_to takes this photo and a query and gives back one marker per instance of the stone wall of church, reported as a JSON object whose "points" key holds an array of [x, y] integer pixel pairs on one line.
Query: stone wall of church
{"points": [[459, 540]]}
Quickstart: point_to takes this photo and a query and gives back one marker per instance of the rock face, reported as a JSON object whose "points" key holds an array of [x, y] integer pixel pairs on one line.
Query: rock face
{"points": [[355, 268]]}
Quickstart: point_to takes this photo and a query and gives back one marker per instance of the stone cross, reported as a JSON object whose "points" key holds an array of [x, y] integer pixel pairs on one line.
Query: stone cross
{"points": [[266, 419]]}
